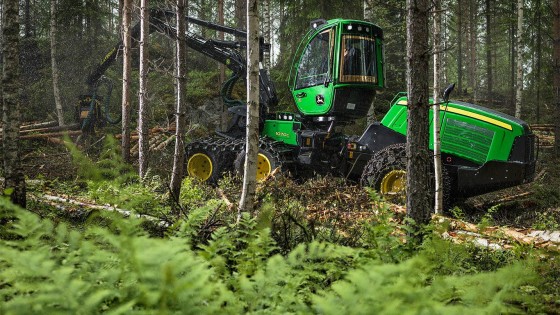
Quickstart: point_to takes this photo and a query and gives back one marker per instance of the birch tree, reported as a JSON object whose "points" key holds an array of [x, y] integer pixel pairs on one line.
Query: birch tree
{"points": [[519, 84], [180, 90], [418, 157], [54, 66], [143, 135], [127, 77], [252, 131], [14, 182], [435, 109]]}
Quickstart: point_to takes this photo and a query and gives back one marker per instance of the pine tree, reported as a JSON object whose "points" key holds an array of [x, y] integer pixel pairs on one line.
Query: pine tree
{"points": [[418, 157], [180, 83], [54, 64], [14, 182]]}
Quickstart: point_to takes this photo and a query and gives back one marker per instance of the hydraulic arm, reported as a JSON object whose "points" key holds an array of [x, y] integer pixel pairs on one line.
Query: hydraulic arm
{"points": [[228, 53]]}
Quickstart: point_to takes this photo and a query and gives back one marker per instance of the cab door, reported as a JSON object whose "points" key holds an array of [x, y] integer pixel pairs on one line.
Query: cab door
{"points": [[313, 89]]}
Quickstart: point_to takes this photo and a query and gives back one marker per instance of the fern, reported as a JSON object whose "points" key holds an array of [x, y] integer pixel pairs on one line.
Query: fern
{"points": [[409, 287], [50, 269]]}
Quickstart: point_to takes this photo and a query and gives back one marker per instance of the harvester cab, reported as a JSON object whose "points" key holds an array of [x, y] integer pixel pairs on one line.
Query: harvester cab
{"points": [[338, 68]]}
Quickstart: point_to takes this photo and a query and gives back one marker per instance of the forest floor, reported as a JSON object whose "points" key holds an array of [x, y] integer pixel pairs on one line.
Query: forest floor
{"points": [[534, 206], [491, 230]]}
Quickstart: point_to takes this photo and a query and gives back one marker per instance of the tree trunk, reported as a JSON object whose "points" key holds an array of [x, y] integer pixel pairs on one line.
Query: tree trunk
{"points": [[180, 83], [519, 85], [435, 108], [222, 68], [54, 65], [252, 134], [556, 65], [539, 58], [14, 183], [460, 46], [143, 135], [267, 33], [512, 56], [368, 16], [127, 77], [240, 11], [473, 83], [489, 74], [418, 157]]}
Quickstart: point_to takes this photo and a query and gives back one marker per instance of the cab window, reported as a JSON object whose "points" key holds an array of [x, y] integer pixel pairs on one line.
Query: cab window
{"points": [[315, 63], [357, 59]]}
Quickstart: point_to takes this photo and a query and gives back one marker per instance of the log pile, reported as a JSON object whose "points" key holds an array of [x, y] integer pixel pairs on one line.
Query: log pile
{"points": [[545, 133], [48, 131], [495, 237], [159, 138]]}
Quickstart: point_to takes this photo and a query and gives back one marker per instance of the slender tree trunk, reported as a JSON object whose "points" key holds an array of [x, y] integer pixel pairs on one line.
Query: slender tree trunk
{"points": [[54, 66], [512, 55], [143, 133], [556, 68], [472, 49], [519, 85], [267, 32], [222, 68], [252, 135], [14, 182], [489, 74], [368, 16], [539, 58], [180, 120], [418, 156], [460, 46], [127, 79], [435, 108], [240, 11]]}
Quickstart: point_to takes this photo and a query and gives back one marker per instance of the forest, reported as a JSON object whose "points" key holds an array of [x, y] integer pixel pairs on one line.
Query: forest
{"points": [[110, 120]]}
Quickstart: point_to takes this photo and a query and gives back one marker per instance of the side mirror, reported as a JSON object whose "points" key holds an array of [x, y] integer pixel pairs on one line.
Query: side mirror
{"points": [[448, 91]]}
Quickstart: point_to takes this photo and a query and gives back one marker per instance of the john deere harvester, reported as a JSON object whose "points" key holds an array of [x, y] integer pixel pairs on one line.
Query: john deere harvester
{"points": [[335, 75]]}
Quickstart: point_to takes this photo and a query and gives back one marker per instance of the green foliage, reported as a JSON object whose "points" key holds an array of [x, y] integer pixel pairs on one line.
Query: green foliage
{"points": [[111, 181], [410, 287], [55, 269]]}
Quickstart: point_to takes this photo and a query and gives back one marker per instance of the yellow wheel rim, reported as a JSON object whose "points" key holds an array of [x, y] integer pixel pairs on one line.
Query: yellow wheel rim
{"points": [[200, 166], [263, 167], [393, 183]]}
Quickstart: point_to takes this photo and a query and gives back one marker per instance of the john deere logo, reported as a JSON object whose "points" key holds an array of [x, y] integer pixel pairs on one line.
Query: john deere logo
{"points": [[282, 134]]}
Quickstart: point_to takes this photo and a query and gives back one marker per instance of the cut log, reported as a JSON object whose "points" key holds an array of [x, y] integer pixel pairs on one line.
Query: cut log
{"points": [[58, 201], [52, 134], [26, 126], [165, 143], [50, 129]]}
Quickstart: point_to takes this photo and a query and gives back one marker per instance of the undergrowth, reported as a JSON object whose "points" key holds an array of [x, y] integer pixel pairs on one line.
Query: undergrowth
{"points": [[53, 268], [345, 252]]}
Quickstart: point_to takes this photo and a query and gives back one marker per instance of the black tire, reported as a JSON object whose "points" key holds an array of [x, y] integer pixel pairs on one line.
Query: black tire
{"points": [[268, 160], [386, 173], [203, 164]]}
